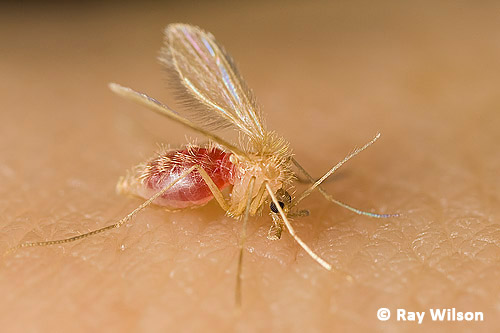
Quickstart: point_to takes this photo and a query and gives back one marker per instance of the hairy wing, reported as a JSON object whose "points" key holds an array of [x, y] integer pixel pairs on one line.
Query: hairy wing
{"points": [[164, 110], [208, 74]]}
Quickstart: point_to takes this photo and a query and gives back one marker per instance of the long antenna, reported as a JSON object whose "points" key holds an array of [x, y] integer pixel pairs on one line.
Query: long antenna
{"points": [[332, 170], [337, 202]]}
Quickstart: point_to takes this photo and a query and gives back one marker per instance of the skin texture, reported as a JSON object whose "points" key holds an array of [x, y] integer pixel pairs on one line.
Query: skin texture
{"points": [[328, 76]]}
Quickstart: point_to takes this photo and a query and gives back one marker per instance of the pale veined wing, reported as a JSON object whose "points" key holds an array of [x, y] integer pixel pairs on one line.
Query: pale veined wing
{"points": [[208, 74], [164, 110]]}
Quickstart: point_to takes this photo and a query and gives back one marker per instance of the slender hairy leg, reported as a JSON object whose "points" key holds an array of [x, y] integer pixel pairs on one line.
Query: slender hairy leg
{"points": [[256, 204], [214, 189], [242, 241], [313, 255]]}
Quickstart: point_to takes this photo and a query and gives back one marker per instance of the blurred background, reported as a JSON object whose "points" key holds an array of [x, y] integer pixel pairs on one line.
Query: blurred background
{"points": [[329, 75]]}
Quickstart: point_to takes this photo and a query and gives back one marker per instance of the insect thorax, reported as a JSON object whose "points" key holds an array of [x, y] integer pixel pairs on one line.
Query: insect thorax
{"points": [[275, 169]]}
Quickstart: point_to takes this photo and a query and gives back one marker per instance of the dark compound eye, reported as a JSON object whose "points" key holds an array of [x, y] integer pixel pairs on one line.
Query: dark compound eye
{"points": [[274, 209]]}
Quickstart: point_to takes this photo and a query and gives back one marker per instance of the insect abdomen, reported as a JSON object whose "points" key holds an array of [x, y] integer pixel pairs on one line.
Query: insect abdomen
{"points": [[147, 179]]}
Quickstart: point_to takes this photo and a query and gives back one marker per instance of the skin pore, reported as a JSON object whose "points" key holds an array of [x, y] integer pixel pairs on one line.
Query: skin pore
{"points": [[420, 75]]}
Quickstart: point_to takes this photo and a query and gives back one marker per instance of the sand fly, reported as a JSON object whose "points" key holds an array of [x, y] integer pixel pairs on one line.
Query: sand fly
{"points": [[259, 172]]}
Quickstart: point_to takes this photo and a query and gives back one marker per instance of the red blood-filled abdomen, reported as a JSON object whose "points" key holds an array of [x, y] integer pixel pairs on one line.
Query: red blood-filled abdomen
{"points": [[192, 189]]}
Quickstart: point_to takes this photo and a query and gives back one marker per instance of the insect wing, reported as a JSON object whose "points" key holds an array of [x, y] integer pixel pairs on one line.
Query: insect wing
{"points": [[164, 110], [208, 73]]}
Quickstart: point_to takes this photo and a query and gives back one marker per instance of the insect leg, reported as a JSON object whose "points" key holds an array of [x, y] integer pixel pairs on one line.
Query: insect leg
{"points": [[106, 228], [306, 248], [242, 240], [256, 204], [213, 188]]}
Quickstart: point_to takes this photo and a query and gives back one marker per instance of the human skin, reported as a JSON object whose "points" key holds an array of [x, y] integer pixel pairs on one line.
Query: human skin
{"points": [[328, 77]]}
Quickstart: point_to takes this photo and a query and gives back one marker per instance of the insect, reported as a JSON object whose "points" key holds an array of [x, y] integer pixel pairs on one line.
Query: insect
{"points": [[259, 172]]}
